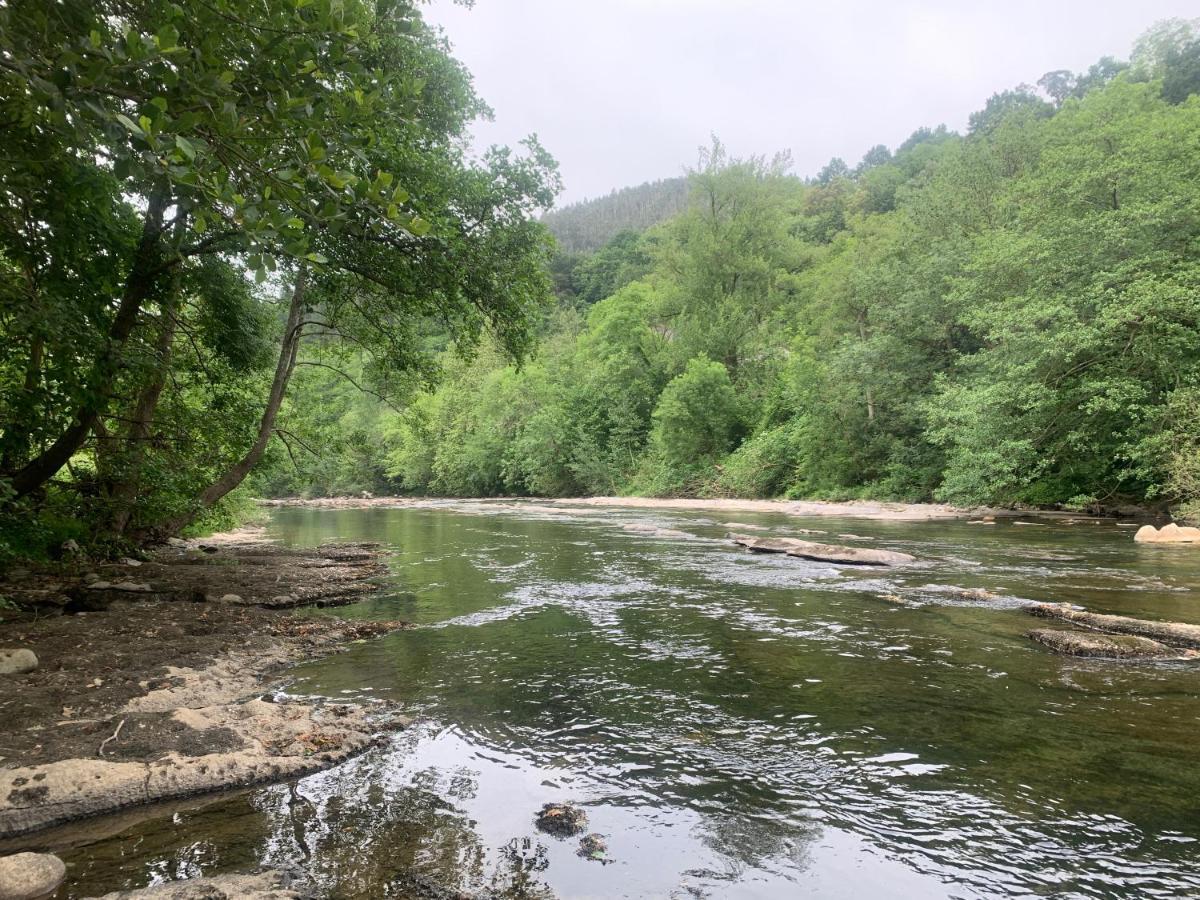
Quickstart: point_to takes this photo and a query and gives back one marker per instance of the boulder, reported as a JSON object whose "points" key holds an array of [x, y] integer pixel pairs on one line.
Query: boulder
{"points": [[17, 661], [28, 876], [1107, 646], [835, 553], [1168, 534]]}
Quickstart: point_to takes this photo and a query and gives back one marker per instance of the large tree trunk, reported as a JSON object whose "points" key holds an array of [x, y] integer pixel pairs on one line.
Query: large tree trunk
{"points": [[140, 285], [123, 496], [237, 473]]}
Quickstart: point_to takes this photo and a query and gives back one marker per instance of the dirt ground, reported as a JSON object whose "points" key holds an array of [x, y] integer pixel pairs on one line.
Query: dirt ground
{"points": [[158, 678]]}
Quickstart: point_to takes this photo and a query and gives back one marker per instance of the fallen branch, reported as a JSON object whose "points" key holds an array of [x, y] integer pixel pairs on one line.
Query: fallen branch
{"points": [[112, 737]]}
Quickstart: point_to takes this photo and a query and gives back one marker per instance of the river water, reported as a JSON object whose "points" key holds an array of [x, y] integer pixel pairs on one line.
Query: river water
{"points": [[734, 725]]}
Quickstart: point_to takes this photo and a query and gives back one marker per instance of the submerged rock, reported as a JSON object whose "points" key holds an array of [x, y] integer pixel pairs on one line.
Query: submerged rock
{"points": [[1175, 634], [561, 819], [1168, 534], [17, 661], [28, 876], [270, 885], [654, 531], [863, 556], [1107, 646]]}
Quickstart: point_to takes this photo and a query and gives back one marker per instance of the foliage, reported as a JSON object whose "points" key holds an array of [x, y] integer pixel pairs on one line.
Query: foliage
{"points": [[1006, 316], [205, 201]]}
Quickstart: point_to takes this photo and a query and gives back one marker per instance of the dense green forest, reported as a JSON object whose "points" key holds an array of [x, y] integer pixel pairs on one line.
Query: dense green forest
{"points": [[251, 241], [587, 226], [1010, 315], [198, 205]]}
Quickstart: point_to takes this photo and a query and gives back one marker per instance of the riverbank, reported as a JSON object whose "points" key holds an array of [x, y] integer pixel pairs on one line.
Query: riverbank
{"points": [[163, 678], [861, 509]]}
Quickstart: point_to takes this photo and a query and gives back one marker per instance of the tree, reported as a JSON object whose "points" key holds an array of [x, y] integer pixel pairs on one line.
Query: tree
{"points": [[316, 144], [696, 420]]}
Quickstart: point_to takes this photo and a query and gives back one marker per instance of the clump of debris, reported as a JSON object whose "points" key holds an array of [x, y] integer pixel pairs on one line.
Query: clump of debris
{"points": [[593, 846], [561, 819]]}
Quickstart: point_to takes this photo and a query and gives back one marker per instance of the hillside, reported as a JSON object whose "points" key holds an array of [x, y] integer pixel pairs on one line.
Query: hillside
{"points": [[590, 224]]}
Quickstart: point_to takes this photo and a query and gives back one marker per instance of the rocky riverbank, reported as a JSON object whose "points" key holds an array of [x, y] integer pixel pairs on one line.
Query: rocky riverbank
{"points": [[163, 678]]}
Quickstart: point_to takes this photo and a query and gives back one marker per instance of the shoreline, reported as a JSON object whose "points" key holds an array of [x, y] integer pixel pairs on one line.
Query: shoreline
{"points": [[164, 678], [861, 509]]}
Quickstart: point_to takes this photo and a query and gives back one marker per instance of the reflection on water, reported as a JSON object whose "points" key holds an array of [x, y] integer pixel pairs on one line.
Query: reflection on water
{"points": [[735, 725]]}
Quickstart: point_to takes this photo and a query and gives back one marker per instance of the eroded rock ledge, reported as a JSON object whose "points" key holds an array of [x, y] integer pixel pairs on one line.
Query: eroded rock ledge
{"points": [[834, 553], [173, 691]]}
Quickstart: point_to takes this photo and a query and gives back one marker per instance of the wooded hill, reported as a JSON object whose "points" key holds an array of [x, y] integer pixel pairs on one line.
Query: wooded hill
{"points": [[587, 226], [1010, 315]]}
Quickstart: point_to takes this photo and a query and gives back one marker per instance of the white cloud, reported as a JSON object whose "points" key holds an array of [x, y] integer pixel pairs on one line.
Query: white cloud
{"points": [[625, 91]]}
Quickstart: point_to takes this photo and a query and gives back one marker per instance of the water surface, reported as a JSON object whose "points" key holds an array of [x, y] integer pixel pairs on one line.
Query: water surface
{"points": [[735, 725]]}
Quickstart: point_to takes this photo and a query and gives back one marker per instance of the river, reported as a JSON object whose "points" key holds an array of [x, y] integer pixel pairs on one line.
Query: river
{"points": [[734, 725]]}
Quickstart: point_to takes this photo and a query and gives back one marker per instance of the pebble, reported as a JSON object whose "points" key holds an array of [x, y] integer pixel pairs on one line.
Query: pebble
{"points": [[17, 661], [28, 876]]}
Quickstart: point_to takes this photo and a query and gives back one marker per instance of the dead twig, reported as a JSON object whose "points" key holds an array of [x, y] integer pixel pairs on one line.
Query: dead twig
{"points": [[104, 743]]}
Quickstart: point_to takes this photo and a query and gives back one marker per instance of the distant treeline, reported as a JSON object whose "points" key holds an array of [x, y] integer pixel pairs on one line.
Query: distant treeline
{"points": [[1010, 315], [587, 226]]}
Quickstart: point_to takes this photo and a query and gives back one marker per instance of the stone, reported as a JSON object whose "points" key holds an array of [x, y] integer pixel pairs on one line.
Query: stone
{"points": [[834, 553], [1107, 646], [70, 547], [1174, 634], [269, 885], [17, 661], [29, 876], [1168, 534], [231, 598]]}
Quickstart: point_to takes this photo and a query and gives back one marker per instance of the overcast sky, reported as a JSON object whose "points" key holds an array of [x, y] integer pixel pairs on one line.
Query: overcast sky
{"points": [[625, 91]]}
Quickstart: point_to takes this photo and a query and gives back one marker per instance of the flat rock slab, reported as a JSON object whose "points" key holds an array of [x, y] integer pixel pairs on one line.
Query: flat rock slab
{"points": [[835, 553], [1107, 646], [270, 885], [275, 741], [1173, 634], [1168, 534]]}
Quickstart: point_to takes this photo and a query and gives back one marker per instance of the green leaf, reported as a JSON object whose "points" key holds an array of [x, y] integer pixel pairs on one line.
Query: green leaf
{"points": [[167, 37], [185, 146], [129, 123], [319, 258]]}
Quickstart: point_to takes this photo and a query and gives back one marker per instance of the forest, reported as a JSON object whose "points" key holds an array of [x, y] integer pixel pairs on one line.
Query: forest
{"points": [[1008, 316], [198, 204], [282, 272]]}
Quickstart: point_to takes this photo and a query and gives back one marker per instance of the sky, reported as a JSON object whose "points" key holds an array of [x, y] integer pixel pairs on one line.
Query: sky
{"points": [[626, 91]]}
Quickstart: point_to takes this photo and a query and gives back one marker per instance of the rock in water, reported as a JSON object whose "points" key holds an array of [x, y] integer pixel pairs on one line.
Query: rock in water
{"points": [[1107, 646], [1168, 534], [17, 661], [835, 553], [28, 876], [269, 885], [1175, 634]]}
